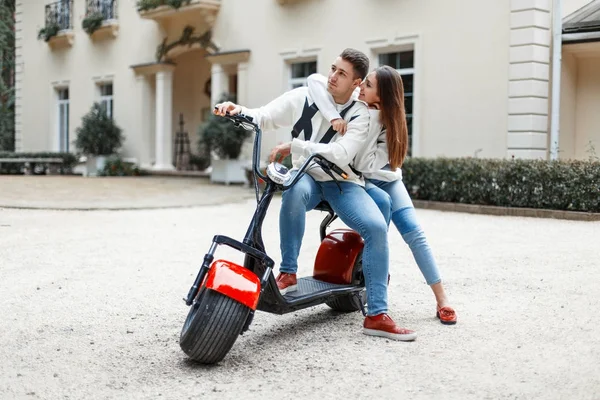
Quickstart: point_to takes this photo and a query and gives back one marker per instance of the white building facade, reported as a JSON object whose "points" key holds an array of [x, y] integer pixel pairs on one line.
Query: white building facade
{"points": [[477, 73]]}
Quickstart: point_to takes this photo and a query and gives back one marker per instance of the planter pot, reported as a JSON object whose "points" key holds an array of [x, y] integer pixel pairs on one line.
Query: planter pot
{"points": [[94, 165], [228, 171]]}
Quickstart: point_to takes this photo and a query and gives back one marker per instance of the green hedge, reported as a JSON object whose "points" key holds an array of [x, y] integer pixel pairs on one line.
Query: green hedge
{"points": [[69, 160], [558, 185]]}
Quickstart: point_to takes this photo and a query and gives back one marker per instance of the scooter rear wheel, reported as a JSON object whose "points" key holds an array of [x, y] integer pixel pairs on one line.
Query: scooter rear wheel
{"points": [[347, 303], [212, 327]]}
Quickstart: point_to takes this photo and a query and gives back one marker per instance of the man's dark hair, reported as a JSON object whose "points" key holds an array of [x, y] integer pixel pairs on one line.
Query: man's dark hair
{"points": [[359, 61]]}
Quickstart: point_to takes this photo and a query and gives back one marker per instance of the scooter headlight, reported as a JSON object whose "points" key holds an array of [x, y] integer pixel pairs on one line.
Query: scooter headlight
{"points": [[278, 173]]}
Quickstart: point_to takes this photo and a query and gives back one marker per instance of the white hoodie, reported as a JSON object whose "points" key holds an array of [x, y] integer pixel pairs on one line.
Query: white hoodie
{"points": [[373, 159], [287, 110]]}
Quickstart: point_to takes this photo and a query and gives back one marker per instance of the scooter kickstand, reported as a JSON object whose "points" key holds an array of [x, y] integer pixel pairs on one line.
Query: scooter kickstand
{"points": [[360, 302]]}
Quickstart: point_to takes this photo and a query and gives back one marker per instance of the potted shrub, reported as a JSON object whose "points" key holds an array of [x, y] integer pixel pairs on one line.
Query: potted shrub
{"points": [[92, 22], [224, 140], [97, 138], [200, 161], [145, 5], [49, 31]]}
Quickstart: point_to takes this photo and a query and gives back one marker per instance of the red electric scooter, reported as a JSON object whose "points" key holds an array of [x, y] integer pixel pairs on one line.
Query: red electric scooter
{"points": [[225, 295]]}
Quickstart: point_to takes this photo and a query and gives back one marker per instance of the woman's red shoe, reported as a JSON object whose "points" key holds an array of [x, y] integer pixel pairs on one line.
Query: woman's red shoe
{"points": [[447, 315]]}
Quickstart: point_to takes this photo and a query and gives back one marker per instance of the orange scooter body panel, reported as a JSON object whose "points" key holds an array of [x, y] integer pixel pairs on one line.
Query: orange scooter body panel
{"points": [[234, 281], [337, 255]]}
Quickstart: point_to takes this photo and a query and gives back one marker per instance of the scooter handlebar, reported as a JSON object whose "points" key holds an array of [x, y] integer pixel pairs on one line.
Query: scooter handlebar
{"points": [[240, 118], [325, 164], [322, 162]]}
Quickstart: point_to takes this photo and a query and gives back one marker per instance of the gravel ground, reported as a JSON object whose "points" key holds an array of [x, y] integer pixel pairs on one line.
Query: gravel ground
{"points": [[114, 193], [92, 308]]}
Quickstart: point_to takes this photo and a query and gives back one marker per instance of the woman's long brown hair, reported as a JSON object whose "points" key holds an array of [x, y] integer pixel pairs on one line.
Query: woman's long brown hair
{"points": [[393, 114]]}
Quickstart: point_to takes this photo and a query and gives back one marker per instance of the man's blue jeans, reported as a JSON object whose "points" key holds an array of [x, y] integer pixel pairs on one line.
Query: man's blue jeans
{"points": [[357, 210], [405, 220]]}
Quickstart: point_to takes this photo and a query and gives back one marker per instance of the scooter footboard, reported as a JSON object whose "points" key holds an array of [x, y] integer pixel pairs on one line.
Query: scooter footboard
{"points": [[234, 281]]}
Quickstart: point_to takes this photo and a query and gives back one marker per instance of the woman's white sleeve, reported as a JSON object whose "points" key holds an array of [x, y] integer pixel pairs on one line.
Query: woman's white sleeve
{"points": [[376, 157]]}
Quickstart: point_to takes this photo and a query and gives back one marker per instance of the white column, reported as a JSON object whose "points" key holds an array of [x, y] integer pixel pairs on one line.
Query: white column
{"points": [[219, 83], [164, 123], [529, 75], [144, 137]]}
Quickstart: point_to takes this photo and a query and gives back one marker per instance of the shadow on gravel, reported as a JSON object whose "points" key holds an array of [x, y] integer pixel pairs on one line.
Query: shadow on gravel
{"points": [[250, 344]]}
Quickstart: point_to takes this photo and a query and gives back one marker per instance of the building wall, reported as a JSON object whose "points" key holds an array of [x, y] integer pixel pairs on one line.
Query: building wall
{"points": [[88, 62], [580, 101], [568, 107], [80, 67], [462, 58], [587, 138], [461, 68]]}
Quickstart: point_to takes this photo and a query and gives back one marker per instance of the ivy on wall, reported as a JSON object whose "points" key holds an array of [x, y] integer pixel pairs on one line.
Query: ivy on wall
{"points": [[187, 39]]}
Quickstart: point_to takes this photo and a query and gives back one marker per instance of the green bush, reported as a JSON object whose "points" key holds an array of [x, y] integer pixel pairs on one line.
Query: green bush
{"points": [[69, 160], [7, 81], [145, 5], [200, 161], [48, 32], [177, 3], [98, 134], [7, 117], [92, 22], [559, 185], [115, 166], [220, 135]]}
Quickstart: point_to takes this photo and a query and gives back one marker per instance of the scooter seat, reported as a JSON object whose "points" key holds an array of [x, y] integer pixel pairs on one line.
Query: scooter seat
{"points": [[324, 206]]}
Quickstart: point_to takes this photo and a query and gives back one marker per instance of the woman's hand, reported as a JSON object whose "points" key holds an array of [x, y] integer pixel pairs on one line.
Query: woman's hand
{"points": [[280, 152], [339, 125]]}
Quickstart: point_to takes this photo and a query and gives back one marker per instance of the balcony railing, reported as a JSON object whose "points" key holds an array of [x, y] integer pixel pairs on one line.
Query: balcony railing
{"points": [[60, 14], [107, 8]]}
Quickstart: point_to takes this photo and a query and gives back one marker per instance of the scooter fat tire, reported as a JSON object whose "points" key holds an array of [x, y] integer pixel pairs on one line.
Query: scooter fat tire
{"points": [[212, 327], [348, 303]]}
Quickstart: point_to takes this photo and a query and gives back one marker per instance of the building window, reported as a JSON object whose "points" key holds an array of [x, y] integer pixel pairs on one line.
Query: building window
{"points": [[59, 13], [63, 119], [106, 98], [107, 8], [300, 71], [404, 63]]}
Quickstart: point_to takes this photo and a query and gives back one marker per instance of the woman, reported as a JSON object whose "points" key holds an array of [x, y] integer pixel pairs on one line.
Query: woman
{"points": [[380, 163]]}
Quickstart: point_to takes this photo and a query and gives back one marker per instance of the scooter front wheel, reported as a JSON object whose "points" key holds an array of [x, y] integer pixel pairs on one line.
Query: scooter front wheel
{"points": [[212, 327]]}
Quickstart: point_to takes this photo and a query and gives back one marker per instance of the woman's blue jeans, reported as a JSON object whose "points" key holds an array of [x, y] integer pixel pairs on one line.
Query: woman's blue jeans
{"points": [[357, 210], [405, 219]]}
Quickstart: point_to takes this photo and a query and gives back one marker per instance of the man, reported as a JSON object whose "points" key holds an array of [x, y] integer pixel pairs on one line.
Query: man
{"points": [[312, 133]]}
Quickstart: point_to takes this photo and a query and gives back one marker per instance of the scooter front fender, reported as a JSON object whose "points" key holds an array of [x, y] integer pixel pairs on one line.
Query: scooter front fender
{"points": [[234, 281]]}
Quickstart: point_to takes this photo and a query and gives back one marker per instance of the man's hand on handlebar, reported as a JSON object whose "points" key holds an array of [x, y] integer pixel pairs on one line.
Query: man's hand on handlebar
{"points": [[280, 152], [227, 107]]}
